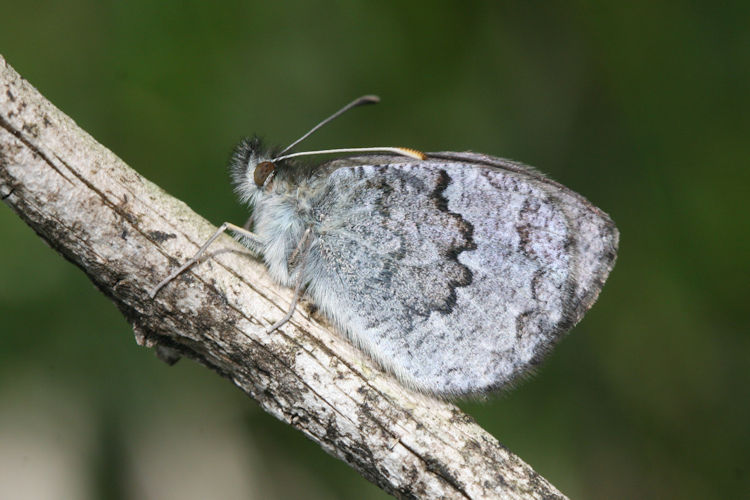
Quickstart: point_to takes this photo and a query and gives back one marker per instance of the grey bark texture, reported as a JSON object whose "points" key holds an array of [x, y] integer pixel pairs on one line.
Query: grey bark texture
{"points": [[126, 234]]}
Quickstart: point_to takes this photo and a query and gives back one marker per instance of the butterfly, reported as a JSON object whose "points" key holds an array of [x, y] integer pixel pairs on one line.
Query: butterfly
{"points": [[456, 272]]}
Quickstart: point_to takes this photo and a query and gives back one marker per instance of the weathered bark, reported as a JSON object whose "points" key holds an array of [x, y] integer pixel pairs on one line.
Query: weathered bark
{"points": [[126, 234]]}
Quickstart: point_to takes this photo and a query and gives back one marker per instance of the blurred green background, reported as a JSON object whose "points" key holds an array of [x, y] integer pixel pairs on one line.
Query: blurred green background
{"points": [[641, 107]]}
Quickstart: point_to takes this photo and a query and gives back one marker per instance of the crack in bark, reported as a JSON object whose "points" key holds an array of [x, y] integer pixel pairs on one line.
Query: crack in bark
{"points": [[18, 135]]}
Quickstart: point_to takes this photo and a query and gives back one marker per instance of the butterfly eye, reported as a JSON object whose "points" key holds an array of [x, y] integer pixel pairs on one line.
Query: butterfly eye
{"points": [[262, 171]]}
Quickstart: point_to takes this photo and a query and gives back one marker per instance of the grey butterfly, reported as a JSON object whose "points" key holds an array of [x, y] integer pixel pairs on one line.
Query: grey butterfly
{"points": [[457, 272]]}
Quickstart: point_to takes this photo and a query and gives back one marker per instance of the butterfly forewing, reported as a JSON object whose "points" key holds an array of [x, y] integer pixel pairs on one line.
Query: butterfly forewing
{"points": [[457, 272]]}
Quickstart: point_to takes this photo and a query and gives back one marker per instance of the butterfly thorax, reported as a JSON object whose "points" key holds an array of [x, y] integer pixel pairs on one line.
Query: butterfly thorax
{"points": [[281, 214]]}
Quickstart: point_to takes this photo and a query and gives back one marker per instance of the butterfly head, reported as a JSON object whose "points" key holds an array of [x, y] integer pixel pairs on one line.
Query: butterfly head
{"points": [[253, 169]]}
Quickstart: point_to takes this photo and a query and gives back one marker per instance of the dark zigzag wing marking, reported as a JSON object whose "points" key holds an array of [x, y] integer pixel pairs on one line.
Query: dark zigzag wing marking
{"points": [[370, 219]]}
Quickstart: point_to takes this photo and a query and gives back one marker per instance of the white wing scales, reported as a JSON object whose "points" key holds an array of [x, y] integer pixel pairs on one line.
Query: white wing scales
{"points": [[459, 272]]}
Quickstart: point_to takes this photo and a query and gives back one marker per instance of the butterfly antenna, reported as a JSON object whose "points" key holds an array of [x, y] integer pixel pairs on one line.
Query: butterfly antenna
{"points": [[365, 99], [411, 153]]}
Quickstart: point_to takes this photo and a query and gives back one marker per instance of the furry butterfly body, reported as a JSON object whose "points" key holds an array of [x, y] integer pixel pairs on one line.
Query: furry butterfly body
{"points": [[456, 272]]}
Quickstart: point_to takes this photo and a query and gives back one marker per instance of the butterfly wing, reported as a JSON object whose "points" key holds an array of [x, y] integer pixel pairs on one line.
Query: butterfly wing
{"points": [[458, 272]]}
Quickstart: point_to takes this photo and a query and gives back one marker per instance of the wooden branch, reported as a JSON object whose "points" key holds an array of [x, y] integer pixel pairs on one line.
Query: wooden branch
{"points": [[126, 234]]}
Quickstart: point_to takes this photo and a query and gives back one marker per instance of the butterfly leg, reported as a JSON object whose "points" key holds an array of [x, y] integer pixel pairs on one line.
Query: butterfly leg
{"points": [[302, 248], [290, 312], [252, 238]]}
